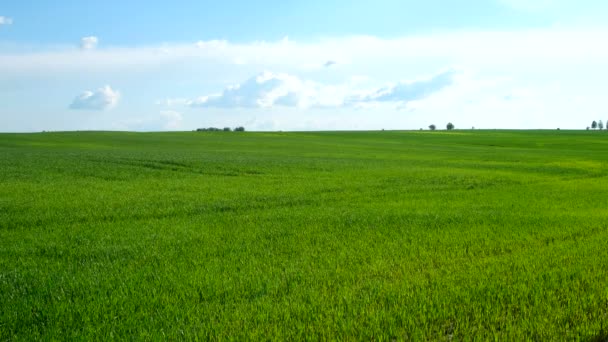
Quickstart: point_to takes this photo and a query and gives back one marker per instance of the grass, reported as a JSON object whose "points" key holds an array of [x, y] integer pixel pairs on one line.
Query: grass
{"points": [[289, 236]]}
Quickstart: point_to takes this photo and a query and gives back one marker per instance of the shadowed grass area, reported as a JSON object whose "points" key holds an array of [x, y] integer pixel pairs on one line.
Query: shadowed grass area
{"points": [[283, 236]]}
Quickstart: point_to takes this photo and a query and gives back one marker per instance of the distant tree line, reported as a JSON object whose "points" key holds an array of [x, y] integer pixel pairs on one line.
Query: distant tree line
{"points": [[450, 126], [225, 129], [597, 124]]}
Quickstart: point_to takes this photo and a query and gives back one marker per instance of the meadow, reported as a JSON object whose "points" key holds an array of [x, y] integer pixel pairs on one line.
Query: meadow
{"points": [[304, 236]]}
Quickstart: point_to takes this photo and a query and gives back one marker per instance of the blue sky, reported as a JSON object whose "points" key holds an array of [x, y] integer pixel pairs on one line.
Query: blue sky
{"points": [[143, 22], [301, 65]]}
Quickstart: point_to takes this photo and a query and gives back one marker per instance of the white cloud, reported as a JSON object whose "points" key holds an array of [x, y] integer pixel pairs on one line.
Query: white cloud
{"points": [[89, 43], [172, 119], [407, 91], [275, 89], [101, 99], [270, 89], [278, 89], [405, 55], [533, 57], [6, 20]]}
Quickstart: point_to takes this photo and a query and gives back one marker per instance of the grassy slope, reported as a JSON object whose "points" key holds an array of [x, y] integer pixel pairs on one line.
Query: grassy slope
{"points": [[383, 235]]}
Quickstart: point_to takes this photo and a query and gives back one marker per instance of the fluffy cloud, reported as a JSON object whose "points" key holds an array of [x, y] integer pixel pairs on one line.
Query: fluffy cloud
{"points": [[101, 99], [172, 119], [275, 89], [5, 20], [89, 43]]}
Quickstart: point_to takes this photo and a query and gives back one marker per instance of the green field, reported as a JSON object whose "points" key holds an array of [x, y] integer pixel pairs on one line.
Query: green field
{"points": [[289, 236]]}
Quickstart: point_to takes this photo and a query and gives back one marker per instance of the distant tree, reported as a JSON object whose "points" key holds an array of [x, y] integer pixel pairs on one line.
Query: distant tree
{"points": [[239, 129], [450, 126], [208, 129], [432, 127], [600, 125], [227, 129], [587, 127], [594, 124]]}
